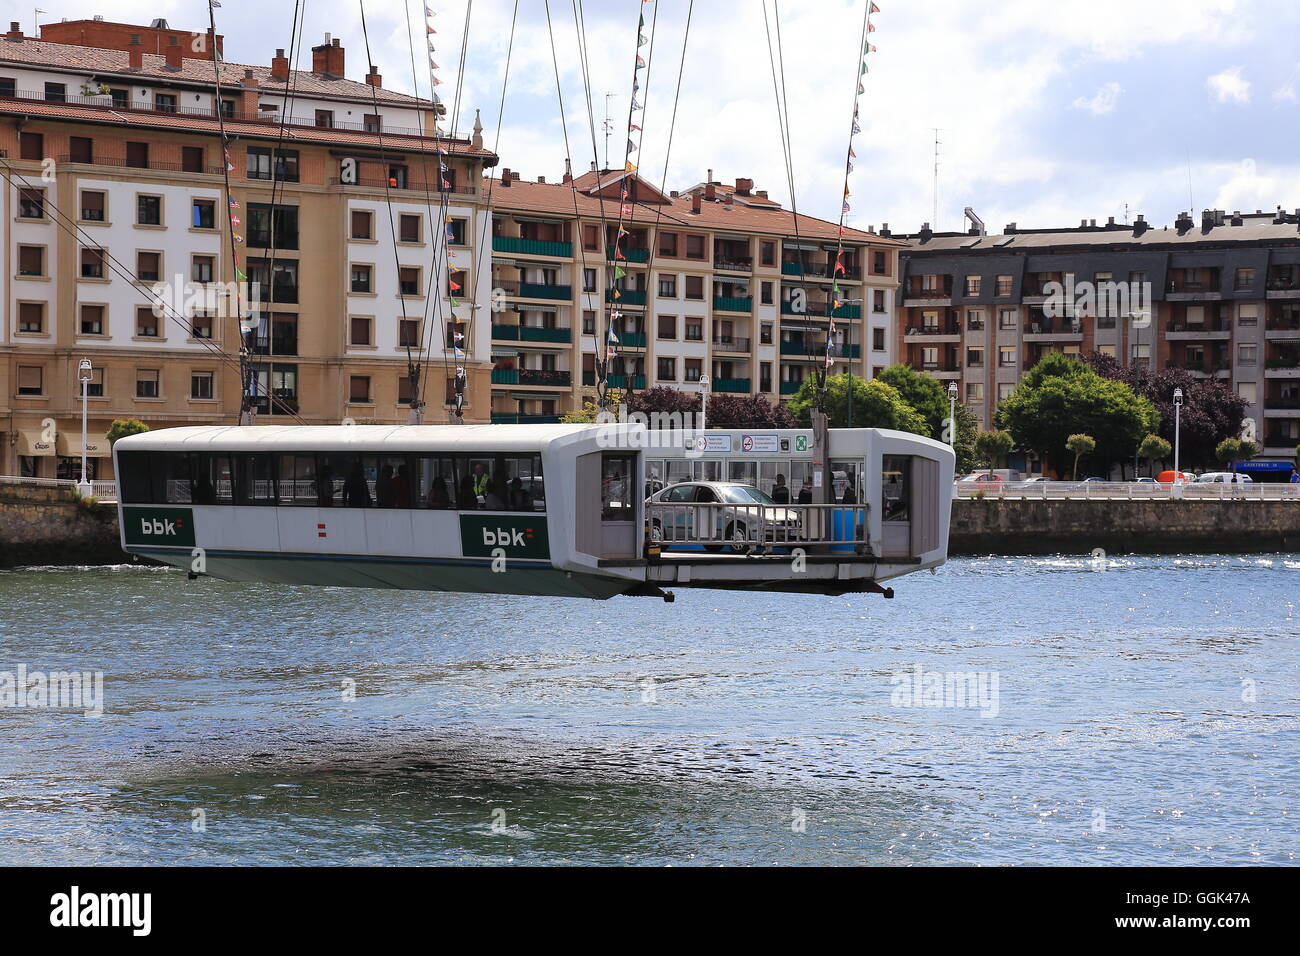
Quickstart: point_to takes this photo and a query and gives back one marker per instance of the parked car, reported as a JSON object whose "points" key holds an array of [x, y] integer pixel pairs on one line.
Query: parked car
{"points": [[1224, 478], [981, 476], [733, 513], [1167, 477]]}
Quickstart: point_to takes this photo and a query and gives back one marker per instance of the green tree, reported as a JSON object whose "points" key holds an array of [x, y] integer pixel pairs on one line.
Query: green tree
{"points": [[1232, 450], [1154, 449], [994, 446], [928, 397], [122, 427], [586, 415], [1080, 445], [875, 404], [1060, 397]]}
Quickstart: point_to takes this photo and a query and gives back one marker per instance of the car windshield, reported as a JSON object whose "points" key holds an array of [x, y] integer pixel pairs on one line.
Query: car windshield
{"points": [[743, 495]]}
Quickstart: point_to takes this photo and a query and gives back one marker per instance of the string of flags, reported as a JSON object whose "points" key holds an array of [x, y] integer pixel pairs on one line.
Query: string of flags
{"points": [[855, 128]]}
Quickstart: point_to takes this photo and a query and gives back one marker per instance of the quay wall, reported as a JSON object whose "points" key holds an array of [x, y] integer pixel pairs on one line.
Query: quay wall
{"points": [[1122, 526], [40, 526]]}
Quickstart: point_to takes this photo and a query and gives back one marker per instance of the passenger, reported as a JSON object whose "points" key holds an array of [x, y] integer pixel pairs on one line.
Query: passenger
{"points": [[467, 499], [850, 492], [805, 494], [481, 480], [401, 489], [356, 491], [325, 486], [781, 493], [438, 497], [498, 494], [518, 497], [384, 488], [204, 493]]}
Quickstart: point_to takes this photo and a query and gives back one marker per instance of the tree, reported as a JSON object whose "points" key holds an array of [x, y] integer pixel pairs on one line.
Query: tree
{"points": [[928, 397], [1061, 396], [994, 446], [747, 411], [1232, 450], [586, 415], [1211, 412], [122, 427], [874, 404], [1154, 449], [1080, 445]]}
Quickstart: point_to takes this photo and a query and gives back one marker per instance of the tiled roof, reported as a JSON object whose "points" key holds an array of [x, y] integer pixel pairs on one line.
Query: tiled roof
{"points": [[180, 123], [87, 59], [1252, 229], [557, 199]]}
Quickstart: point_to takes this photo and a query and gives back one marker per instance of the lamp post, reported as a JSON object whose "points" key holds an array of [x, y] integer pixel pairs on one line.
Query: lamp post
{"points": [[83, 374], [952, 414], [1178, 407], [1138, 320], [704, 402]]}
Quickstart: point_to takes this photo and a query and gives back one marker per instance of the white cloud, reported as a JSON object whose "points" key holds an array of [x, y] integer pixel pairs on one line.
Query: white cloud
{"points": [[1101, 102], [1229, 86]]}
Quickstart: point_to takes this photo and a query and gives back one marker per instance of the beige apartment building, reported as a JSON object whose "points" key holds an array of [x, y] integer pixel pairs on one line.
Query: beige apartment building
{"points": [[114, 194], [719, 280]]}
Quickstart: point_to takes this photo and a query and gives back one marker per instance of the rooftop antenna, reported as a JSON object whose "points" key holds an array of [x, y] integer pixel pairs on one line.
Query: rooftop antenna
{"points": [[934, 188], [607, 126]]}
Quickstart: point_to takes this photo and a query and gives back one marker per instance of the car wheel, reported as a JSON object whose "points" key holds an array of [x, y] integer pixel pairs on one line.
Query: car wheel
{"points": [[739, 538], [657, 534]]}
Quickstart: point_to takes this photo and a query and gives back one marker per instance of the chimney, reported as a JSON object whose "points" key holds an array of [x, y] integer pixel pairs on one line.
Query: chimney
{"points": [[248, 98], [1139, 225], [1207, 219], [1010, 229], [568, 173], [884, 230], [15, 31], [744, 187], [729, 202], [280, 66], [541, 180], [175, 54], [327, 59], [709, 192], [374, 78], [672, 194], [926, 232], [695, 203], [135, 55], [505, 176], [761, 194], [477, 139]]}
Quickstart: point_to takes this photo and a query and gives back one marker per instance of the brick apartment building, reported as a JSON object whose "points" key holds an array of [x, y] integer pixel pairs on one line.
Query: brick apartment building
{"points": [[720, 281], [1225, 304], [110, 147]]}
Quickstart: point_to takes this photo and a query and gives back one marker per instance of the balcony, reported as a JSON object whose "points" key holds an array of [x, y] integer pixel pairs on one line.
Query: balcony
{"points": [[819, 270], [1282, 285], [721, 264], [936, 293], [633, 254], [626, 296], [951, 329], [549, 378], [614, 381], [532, 247], [150, 163], [1182, 331], [528, 333], [1206, 287], [730, 343], [726, 303], [510, 418], [739, 385], [631, 340], [533, 290], [1052, 329], [789, 388], [816, 309]]}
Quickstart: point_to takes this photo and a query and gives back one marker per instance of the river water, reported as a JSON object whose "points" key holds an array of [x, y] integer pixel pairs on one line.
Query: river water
{"points": [[1130, 711]]}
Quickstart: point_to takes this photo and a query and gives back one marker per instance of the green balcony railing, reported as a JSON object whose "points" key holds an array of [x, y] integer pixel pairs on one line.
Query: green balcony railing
{"points": [[535, 290], [528, 333], [615, 381], [505, 376], [629, 255], [631, 340], [789, 388], [532, 247], [509, 333], [627, 297], [847, 312], [508, 418], [731, 385], [732, 304]]}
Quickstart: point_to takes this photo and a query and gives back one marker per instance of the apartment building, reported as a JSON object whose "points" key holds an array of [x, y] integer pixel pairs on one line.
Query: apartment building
{"points": [[114, 195], [1225, 304], [715, 280]]}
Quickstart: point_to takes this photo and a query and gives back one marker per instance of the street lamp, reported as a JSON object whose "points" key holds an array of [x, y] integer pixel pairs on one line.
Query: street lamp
{"points": [[704, 401], [83, 374], [952, 414], [1139, 320], [1178, 407]]}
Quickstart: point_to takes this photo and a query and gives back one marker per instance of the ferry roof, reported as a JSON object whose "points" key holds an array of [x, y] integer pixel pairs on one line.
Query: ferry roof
{"points": [[397, 438]]}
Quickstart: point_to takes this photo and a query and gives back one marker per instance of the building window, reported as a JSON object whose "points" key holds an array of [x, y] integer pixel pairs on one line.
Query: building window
{"points": [[1006, 390], [204, 214], [1008, 318], [137, 155], [1244, 278], [30, 380], [361, 279], [31, 203], [974, 392], [694, 369], [201, 326], [92, 320], [411, 227], [272, 227], [668, 327], [92, 263], [359, 389], [972, 285], [164, 102], [588, 322], [146, 323], [765, 291], [456, 232], [81, 149], [361, 331], [1006, 356], [767, 257], [92, 205], [192, 159], [975, 358], [695, 287], [31, 317], [8, 86], [1247, 315], [56, 92], [694, 329], [148, 266], [201, 268], [975, 320], [878, 300], [1247, 354], [201, 386], [668, 244], [408, 280], [765, 334], [590, 237], [31, 261], [880, 263], [31, 146], [667, 370], [878, 340], [408, 333], [667, 286], [363, 224], [325, 119], [695, 247], [285, 166], [1004, 284], [588, 280], [146, 383], [1249, 391], [95, 387]]}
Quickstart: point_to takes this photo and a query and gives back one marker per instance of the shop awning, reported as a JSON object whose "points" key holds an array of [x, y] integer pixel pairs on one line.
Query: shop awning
{"points": [[97, 446], [32, 444]]}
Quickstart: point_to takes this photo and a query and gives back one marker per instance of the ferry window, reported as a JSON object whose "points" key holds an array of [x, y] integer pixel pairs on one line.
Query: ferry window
{"points": [[392, 480], [896, 482], [617, 476], [339, 481], [256, 485], [436, 483], [133, 477], [298, 480], [746, 471], [706, 471], [846, 476], [177, 474], [503, 483]]}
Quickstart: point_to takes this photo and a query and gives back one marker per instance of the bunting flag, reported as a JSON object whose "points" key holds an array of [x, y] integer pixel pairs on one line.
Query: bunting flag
{"points": [[619, 272], [613, 338], [631, 166], [458, 352]]}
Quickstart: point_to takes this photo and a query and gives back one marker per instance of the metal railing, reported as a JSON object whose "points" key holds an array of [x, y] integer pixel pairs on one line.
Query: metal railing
{"points": [[741, 528], [1135, 490], [104, 490]]}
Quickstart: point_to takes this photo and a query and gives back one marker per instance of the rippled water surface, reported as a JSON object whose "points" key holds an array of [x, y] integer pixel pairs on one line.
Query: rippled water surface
{"points": [[1147, 711]]}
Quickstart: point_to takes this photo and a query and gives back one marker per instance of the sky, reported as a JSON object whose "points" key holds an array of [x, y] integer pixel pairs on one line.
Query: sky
{"points": [[1048, 111]]}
